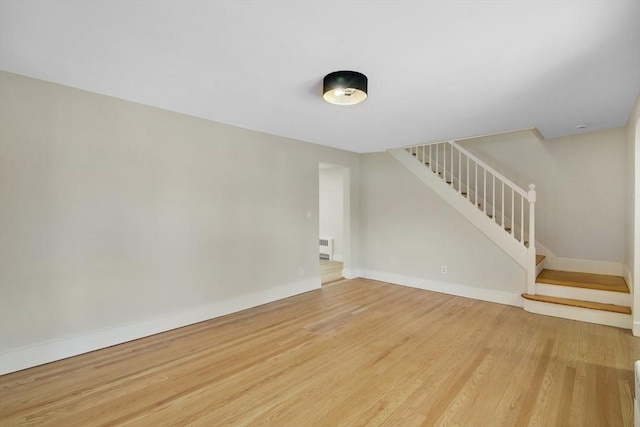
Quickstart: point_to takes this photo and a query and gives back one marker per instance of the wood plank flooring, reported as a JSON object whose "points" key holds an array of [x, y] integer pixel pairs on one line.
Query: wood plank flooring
{"points": [[358, 352]]}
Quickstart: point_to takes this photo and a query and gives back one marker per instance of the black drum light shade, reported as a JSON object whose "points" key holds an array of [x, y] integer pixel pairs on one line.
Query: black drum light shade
{"points": [[344, 87]]}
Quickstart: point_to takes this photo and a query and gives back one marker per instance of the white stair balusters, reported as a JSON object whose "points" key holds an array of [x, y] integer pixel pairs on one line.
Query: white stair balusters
{"points": [[468, 176]]}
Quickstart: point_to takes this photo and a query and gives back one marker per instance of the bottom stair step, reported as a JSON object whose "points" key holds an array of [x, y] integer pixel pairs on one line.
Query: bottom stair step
{"points": [[584, 311], [578, 303]]}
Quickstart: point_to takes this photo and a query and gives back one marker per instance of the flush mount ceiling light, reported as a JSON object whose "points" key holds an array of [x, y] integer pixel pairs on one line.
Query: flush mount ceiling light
{"points": [[345, 87]]}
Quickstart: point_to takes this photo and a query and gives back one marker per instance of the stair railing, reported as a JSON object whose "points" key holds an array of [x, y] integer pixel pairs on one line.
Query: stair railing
{"points": [[508, 206]]}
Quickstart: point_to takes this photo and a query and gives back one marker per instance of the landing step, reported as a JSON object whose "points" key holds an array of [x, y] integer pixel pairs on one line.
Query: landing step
{"points": [[599, 282], [578, 303], [539, 259]]}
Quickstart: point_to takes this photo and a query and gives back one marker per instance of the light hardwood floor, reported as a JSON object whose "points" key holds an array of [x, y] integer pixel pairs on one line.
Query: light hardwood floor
{"points": [[358, 352]]}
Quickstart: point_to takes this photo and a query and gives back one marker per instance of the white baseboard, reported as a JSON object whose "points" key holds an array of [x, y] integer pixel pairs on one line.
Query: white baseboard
{"points": [[38, 354], [553, 262], [590, 266], [483, 294], [351, 273]]}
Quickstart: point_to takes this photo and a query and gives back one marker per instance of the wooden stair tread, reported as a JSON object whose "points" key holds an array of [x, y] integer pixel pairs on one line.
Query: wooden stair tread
{"points": [[574, 279], [539, 259], [579, 303]]}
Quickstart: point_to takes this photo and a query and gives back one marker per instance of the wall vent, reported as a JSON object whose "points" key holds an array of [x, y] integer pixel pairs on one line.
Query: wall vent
{"points": [[326, 248]]}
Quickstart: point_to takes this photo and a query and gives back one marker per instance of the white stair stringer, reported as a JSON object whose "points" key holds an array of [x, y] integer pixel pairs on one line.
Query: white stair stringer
{"points": [[539, 267], [479, 219], [599, 317]]}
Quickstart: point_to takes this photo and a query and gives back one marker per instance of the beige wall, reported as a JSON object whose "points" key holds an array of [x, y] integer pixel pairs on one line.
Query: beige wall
{"points": [[113, 213], [581, 188]]}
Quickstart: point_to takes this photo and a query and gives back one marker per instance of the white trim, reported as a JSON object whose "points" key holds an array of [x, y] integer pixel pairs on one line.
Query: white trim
{"points": [[578, 313], [635, 267], [27, 357], [582, 294], [542, 250], [628, 277], [553, 262], [351, 273], [636, 413], [540, 266], [590, 266], [483, 294], [636, 408], [636, 329]]}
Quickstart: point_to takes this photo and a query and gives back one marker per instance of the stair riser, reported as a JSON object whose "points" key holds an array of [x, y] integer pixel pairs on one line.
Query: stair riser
{"points": [[539, 268], [581, 314], [605, 297]]}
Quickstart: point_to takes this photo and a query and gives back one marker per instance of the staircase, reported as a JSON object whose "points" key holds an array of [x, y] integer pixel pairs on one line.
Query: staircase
{"points": [[505, 213], [593, 298]]}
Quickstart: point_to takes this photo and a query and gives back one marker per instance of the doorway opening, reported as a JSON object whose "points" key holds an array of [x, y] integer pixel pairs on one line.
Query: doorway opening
{"points": [[332, 245]]}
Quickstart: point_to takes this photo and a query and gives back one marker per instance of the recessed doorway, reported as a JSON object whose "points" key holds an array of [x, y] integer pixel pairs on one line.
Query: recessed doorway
{"points": [[331, 221]]}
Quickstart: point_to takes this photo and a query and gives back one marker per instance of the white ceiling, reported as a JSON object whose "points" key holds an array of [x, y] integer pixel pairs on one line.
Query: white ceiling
{"points": [[437, 69]]}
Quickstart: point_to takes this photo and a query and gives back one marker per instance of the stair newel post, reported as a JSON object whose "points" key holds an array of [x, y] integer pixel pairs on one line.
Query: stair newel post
{"points": [[531, 251]]}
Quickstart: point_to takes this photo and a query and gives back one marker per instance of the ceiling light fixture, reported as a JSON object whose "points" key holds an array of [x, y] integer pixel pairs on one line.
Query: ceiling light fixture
{"points": [[345, 87]]}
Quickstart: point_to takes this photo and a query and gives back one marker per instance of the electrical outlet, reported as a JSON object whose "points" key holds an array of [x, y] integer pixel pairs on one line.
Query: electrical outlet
{"points": [[444, 269]]}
